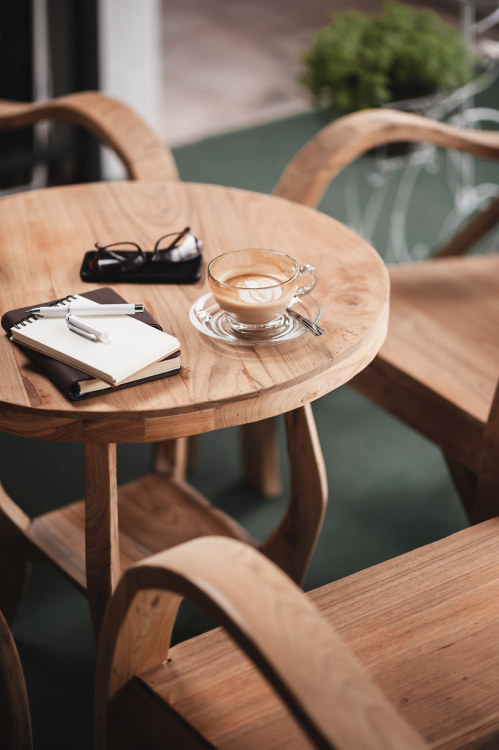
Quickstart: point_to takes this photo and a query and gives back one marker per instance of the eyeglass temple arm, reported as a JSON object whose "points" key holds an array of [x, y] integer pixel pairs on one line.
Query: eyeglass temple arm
{"points": [[177, 239], [111, 121]]}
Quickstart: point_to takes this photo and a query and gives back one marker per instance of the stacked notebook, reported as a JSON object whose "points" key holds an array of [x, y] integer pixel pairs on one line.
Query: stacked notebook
{"points": [[137, 351]]}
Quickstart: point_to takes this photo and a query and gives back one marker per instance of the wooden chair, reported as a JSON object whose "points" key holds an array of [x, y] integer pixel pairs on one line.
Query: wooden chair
{"points": [[402, 655], [439, 367], [15, 721]]}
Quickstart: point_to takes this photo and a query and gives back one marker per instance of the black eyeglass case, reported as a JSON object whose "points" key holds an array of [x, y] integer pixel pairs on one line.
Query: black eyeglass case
{"points": [[181, 272]]}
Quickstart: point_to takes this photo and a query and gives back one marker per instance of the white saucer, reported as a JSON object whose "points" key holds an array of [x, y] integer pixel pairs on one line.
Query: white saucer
{"points": [[207, 317]]}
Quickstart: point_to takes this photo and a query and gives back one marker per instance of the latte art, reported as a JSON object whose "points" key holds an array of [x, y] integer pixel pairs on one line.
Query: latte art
{"points": [[257, 295], [257, 288]]}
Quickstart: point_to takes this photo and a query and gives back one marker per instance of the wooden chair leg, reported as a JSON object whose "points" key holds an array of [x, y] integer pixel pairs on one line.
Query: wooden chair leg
{"points": [[14, 524], [15, 566], [101, 527], [172, 457], [292, 543], [486, 504], [259, 450], [465, 483], [260, 457], [15, 721]]}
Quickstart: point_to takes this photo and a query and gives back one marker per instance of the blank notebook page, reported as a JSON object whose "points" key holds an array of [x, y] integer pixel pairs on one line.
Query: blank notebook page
{"points": [[132, 344]]}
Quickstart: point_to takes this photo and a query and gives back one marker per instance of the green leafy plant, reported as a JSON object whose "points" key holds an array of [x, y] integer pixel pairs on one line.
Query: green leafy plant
{"points": [[361, 60]]}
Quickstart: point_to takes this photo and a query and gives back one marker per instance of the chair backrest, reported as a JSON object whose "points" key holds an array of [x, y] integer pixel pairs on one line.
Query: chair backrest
{"points": [[339, 143], [15, 722], [112, 122], [322, 684]]}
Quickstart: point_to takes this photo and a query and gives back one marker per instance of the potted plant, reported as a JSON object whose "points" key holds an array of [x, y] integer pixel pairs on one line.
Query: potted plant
{"points": [[363, 60]]}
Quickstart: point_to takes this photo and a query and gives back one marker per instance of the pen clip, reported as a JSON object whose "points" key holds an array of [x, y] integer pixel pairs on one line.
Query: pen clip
{"points": [[76, 325], [86, 335]]}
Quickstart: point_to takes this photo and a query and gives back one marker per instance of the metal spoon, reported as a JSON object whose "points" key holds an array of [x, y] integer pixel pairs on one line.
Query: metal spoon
{"points": [[313, 327]]}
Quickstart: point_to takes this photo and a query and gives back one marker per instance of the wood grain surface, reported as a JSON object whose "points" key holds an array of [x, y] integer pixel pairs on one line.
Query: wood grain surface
{"points": [[44, 235], [423, 625], [441, 357], [321, 683]]}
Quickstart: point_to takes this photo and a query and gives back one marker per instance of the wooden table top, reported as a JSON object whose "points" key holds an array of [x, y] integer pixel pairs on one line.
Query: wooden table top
{"points": [[43, 236]]}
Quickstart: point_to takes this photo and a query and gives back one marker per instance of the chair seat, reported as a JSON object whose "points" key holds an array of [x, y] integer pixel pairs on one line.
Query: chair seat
{"points": [[425, 625], [438, 367]]}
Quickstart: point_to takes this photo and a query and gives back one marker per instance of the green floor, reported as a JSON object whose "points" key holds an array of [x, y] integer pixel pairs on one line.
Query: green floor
{"points": [[389, 488]]}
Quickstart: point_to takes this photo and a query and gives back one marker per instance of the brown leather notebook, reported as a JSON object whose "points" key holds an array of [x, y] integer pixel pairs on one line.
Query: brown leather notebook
{"points": [[75, 384]]}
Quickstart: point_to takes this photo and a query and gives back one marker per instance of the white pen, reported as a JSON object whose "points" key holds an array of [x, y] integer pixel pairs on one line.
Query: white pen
{"points": [[76, 325], [60, 311]]}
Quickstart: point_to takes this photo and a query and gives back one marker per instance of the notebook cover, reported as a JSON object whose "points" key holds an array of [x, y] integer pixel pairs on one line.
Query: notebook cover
{"points": [[65, 377]]}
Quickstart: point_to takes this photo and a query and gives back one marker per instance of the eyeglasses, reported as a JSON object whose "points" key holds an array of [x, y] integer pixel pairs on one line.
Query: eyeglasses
{"points": [[174, 247]]}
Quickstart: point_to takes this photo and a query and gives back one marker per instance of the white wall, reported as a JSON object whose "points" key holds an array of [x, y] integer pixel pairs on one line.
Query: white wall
{"points": [[130, 59]]}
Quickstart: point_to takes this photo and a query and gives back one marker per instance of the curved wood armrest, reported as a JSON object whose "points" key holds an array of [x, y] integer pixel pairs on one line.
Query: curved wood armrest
{"points": [[112, 122], [308, 174], [270, 618]]}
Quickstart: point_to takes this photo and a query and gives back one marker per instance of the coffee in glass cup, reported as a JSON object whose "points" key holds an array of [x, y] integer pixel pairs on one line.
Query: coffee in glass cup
{"points": [[254, 287]]}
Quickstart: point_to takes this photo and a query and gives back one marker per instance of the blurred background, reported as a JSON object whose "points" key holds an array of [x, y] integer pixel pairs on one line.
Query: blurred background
{"points": [[219, 81], [192, 68]]}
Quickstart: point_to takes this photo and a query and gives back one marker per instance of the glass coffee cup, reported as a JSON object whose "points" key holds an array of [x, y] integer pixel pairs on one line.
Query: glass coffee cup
{"points": [[255, 286]]}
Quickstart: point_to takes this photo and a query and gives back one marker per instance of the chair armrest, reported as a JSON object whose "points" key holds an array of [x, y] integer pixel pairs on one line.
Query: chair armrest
{"points": [[308, 174], [269, 618], [112, 122]]}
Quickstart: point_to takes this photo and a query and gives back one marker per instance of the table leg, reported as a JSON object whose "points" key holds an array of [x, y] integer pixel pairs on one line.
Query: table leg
{"points": [[292, 543], [260, 455], [101, 527], [172, 457]]}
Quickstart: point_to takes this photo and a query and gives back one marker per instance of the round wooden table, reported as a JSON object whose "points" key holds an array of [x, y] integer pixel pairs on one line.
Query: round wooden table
{"points": [[43, 236]]}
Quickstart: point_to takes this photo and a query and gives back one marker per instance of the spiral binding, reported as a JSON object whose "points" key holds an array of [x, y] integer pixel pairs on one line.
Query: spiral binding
{"points": [[31, 318]]}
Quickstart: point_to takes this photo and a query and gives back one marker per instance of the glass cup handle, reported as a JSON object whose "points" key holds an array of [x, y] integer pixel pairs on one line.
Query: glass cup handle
{"points": [[305, 289]]}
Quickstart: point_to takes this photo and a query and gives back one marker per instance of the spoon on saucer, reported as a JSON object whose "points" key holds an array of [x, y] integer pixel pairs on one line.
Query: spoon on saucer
{"points": [[313, 327]]}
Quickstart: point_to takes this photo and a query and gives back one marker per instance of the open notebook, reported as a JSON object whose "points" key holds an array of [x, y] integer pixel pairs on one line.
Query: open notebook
{"points": [[137, 349]]}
